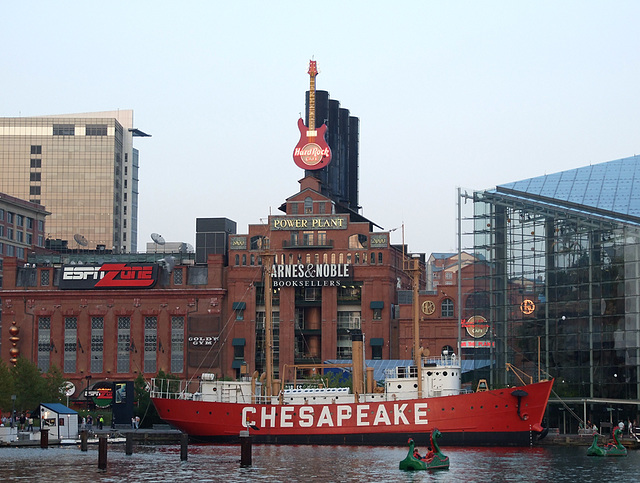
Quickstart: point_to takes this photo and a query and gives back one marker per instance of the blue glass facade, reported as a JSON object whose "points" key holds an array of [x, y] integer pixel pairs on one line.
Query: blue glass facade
{"points": [[560, 282]]}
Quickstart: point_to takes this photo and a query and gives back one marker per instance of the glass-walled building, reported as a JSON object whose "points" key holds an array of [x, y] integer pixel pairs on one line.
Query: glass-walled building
{"points": [[560, 279]]}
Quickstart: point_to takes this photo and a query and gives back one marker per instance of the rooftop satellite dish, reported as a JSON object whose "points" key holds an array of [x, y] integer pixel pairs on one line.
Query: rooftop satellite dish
{"points": [[190, 248], [80, 240], [157, 238]]}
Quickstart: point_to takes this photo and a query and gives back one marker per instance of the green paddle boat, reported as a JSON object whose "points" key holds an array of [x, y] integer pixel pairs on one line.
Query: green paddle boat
{"points": [[611, 449], [433, 460]]}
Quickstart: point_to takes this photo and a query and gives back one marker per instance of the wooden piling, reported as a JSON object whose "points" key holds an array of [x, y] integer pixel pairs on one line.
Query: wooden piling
{"points": [[84, 436], [184, 446], [102, 452], [245, 448], [44, 438], [128, 449]]}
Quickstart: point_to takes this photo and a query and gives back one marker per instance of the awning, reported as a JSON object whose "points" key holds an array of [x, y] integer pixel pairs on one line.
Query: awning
{"points": [[239, 305], [238, 341], [375, 342], [237, 364], [378, 304]]}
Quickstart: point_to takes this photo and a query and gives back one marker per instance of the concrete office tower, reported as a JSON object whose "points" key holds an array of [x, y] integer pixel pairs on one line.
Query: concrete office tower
{"points": [[83, 169]]}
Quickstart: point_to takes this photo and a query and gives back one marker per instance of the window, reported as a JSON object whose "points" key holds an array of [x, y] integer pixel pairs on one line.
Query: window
{"points": [[239, 307], [177, 345], [380, 257], [294, 208], [19, 220], [96, 130], [36, 163], [29, 239], [9, 217], [20, 236], [29, 223], [44, 278], [322, 238], [237, 259], [177, 276], [70, 343], [321, 208], [63, 130], [36, 149], [308, 205], [97, 343], [1, 230], [44, 343], [447, 308], [10, 233], [125, 346], [34, 191], [307, 238], [150, 344]]}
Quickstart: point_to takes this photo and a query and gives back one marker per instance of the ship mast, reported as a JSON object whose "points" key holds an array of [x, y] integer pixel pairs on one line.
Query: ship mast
{"points": [[267, 261], [412, 266]]}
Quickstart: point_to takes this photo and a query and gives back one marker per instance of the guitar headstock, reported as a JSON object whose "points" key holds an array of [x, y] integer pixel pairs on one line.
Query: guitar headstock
{"points": [[313, 70]]}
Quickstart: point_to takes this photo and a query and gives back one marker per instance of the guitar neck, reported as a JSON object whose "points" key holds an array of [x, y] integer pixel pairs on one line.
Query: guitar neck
{"points": [[312, 103]]}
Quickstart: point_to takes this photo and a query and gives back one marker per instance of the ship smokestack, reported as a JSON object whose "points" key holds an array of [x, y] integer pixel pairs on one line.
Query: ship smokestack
{"points": [[357, 374]]}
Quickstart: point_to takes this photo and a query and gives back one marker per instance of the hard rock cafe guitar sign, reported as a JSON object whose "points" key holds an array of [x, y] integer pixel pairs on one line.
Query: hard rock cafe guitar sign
{"points": [[312, 151]]}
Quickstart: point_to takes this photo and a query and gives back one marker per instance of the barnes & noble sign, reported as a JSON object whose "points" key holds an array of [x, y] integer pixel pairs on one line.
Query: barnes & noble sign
{"points": [[310, 275]]}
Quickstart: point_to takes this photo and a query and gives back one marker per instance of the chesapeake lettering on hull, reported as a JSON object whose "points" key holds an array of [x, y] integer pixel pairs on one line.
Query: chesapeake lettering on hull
{"points": [[310, 275], [335, 416], [309, 223], [109, 276]]}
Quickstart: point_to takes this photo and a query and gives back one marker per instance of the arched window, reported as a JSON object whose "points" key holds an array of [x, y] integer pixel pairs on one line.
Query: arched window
{"points": [[333, 258], [373, 258], [244, 258], [237, 259], [341, 258], [308, 205], [446, 308], [380, 257], [356, 258], [325, 258], [253, 259]]}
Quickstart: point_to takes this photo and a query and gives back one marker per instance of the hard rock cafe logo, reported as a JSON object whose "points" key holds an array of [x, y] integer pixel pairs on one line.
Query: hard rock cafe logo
{"points": [[311, 154], [476, 326], [527, 307]]}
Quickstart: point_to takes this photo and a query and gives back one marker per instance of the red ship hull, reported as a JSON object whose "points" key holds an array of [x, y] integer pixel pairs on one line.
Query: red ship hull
{"points": [[488, 418]]}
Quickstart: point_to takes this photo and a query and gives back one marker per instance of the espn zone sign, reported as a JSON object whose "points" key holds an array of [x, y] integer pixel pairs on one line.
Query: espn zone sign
{"points": [[109, 276]]}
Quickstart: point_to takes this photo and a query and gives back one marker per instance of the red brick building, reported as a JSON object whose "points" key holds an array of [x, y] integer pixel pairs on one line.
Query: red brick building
{"points": [[333, 270]]}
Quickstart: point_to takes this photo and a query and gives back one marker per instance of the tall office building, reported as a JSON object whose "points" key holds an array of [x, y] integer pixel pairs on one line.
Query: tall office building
{"points": [[82, 168]]}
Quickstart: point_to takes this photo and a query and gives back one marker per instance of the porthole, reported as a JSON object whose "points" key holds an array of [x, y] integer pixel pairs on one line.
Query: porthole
{"points": [[399, 386], [415, 386], [429, 373], [444, 373]]}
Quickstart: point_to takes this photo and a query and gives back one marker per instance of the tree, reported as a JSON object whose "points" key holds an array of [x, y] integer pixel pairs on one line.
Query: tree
{"points": [[144, 407], [28, 384], [53, 382], [6, 388]]}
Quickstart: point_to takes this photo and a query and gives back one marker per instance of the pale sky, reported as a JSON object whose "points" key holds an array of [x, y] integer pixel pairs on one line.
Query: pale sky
{"points": [[449, 94]]}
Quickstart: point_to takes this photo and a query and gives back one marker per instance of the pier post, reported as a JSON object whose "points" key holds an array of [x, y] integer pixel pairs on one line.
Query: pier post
{"points": [[102, 452], [44, 438], [83, 440], [245, 448], [129, 444], [184, 446]]}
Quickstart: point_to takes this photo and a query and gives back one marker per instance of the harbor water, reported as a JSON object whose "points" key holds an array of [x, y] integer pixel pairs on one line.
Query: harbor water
{"points": [[311, 463]]}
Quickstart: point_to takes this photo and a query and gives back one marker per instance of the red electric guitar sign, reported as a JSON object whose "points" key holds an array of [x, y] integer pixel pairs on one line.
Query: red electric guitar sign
{"points": [[312, 151]]}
